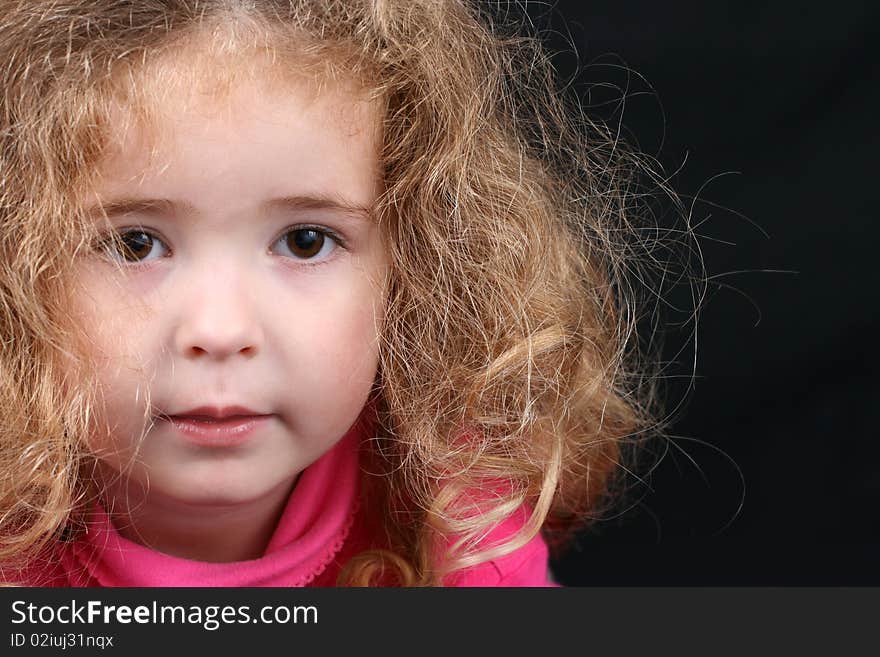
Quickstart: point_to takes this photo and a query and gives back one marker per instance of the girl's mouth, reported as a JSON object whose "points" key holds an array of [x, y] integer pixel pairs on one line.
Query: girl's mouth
{"points": [[208, 431]]}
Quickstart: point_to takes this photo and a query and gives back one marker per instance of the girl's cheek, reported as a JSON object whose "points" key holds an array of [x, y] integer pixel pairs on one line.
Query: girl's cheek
{"points": [[145, 284], [104, 289], [119, 418], [358, 356]]}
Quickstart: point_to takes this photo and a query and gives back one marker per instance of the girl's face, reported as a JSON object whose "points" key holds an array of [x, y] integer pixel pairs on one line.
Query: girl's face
{"points": [[252, 284]]}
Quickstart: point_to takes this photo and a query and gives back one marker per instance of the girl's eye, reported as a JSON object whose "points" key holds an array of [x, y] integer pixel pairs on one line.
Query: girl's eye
{"points": [[137, 245], [309, 243], [133, 246]]}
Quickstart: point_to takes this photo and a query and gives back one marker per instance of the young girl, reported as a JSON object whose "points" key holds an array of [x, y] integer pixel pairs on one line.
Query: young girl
{"points": [[302, 293]]}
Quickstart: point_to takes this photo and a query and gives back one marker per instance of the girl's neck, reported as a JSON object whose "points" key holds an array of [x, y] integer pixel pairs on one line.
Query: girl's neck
{"points": [[200, 532]]}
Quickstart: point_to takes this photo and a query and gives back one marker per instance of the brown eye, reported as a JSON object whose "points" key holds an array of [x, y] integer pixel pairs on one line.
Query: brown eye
{"points": [[308, 243], [305, 243], [132, 246]]}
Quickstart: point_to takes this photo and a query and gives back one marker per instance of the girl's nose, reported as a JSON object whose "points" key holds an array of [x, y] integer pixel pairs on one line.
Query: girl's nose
{"points": [[219, 323]]}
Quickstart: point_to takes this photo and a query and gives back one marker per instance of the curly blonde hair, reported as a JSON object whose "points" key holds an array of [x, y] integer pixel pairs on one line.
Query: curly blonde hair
{"points": [[509, 361]]}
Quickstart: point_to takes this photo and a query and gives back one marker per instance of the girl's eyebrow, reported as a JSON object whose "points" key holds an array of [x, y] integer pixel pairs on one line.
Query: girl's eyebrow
{"points": [[320, 202], [162, 206], [151, 206]]}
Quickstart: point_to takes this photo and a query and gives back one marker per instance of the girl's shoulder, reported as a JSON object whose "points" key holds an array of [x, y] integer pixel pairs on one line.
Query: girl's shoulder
{"points": [[526, 566]]}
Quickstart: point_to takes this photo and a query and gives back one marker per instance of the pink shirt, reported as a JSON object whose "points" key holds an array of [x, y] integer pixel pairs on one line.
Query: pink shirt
{"points": [[306, 549]]}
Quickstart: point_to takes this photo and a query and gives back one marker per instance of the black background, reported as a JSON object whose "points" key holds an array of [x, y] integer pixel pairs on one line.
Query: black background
{"points": [[767, 110]]}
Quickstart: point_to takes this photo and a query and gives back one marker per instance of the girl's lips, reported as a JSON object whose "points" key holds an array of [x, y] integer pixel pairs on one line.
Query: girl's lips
{"points": [[216, 432]]}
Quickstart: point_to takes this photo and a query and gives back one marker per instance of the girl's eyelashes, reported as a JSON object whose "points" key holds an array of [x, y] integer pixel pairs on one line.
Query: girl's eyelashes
{"points": [[312, 244], [133, 245], [309, 242]]}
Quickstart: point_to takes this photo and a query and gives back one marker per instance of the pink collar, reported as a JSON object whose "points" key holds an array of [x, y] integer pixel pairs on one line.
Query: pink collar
{"points": [[316, 522]]}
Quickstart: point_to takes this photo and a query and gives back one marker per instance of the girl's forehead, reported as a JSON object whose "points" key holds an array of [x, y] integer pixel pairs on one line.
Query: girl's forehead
{"points": [[155, 105]]}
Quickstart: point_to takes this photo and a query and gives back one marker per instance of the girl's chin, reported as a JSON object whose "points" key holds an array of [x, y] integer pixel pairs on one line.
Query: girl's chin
{"points": [[223, 493], [207, 491]]}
